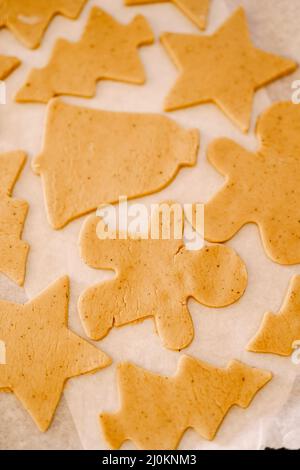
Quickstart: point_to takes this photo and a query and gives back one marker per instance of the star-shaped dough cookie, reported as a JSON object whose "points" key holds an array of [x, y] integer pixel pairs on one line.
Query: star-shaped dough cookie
{"points": [[261, 187], [7, 66], [106, 50], [195, 10], [13, 250], [29, 19], [155, 278], [224, 68], [277, 333], [42, 353], [156, 411]]}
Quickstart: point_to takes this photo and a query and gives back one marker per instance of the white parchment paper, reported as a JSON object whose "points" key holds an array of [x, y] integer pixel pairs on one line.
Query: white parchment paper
{"points": [[220, 334]]}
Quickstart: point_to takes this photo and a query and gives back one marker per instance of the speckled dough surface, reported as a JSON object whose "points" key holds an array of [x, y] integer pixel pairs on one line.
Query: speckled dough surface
{"points": [[7, 66], [28, 19], [278, 331], [224, 68], [261, 187], [92, 157], [42, 353], [195, 10], [106, 50], [155, 278], [155, 410], [13, 250]]}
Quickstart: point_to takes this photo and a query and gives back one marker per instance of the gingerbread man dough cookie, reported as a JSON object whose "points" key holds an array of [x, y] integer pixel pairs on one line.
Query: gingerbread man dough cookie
{"points": [[13, 250], [107, 50], [42, 353], [29, 19], [278, 332], [261, 187], [224, 68], [92, 157], [195, 10], [156, 411], [155, 278], [7, 66]]}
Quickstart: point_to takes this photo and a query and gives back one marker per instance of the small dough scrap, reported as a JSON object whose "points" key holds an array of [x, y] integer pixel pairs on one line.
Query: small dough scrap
{"points": [[13, 212], [7, 66], [156, 411], [155, 278], [106, 50], [195, 10], [92, 157], [29, 19], [261, 187], [224, 68], [277, 333], [42, 353]]}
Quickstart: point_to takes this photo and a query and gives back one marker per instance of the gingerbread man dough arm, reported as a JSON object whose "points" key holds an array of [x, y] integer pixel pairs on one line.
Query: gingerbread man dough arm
{"points": [[224, 213], [98, 307], [100, 253]]}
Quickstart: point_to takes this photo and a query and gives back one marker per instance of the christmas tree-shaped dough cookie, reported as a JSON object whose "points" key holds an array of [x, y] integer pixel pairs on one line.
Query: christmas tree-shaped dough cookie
{"points": [[155, 278], [7, 66], [278, 332], [92, 157], [155, 410], [28, 19], [195, 10], [13, 250], [106, 50], [42, 353], [261, 187], [224, 68]]}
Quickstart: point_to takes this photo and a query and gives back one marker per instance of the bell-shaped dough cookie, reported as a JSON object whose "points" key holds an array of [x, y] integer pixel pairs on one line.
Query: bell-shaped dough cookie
{"points": [[156, 411], [106, 50], [155, 278], [261, 187], [29, 19], [92, 157]]}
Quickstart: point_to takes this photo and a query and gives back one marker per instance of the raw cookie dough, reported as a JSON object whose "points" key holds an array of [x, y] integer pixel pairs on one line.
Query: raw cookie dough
{"points": [[155, 278], [42, 353], [13, 212], [107, 50], [92, 157], [7, 66], [278, 332], [29, 19], [156, 411], [261, 187], [195, 10], [224, 68]]}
